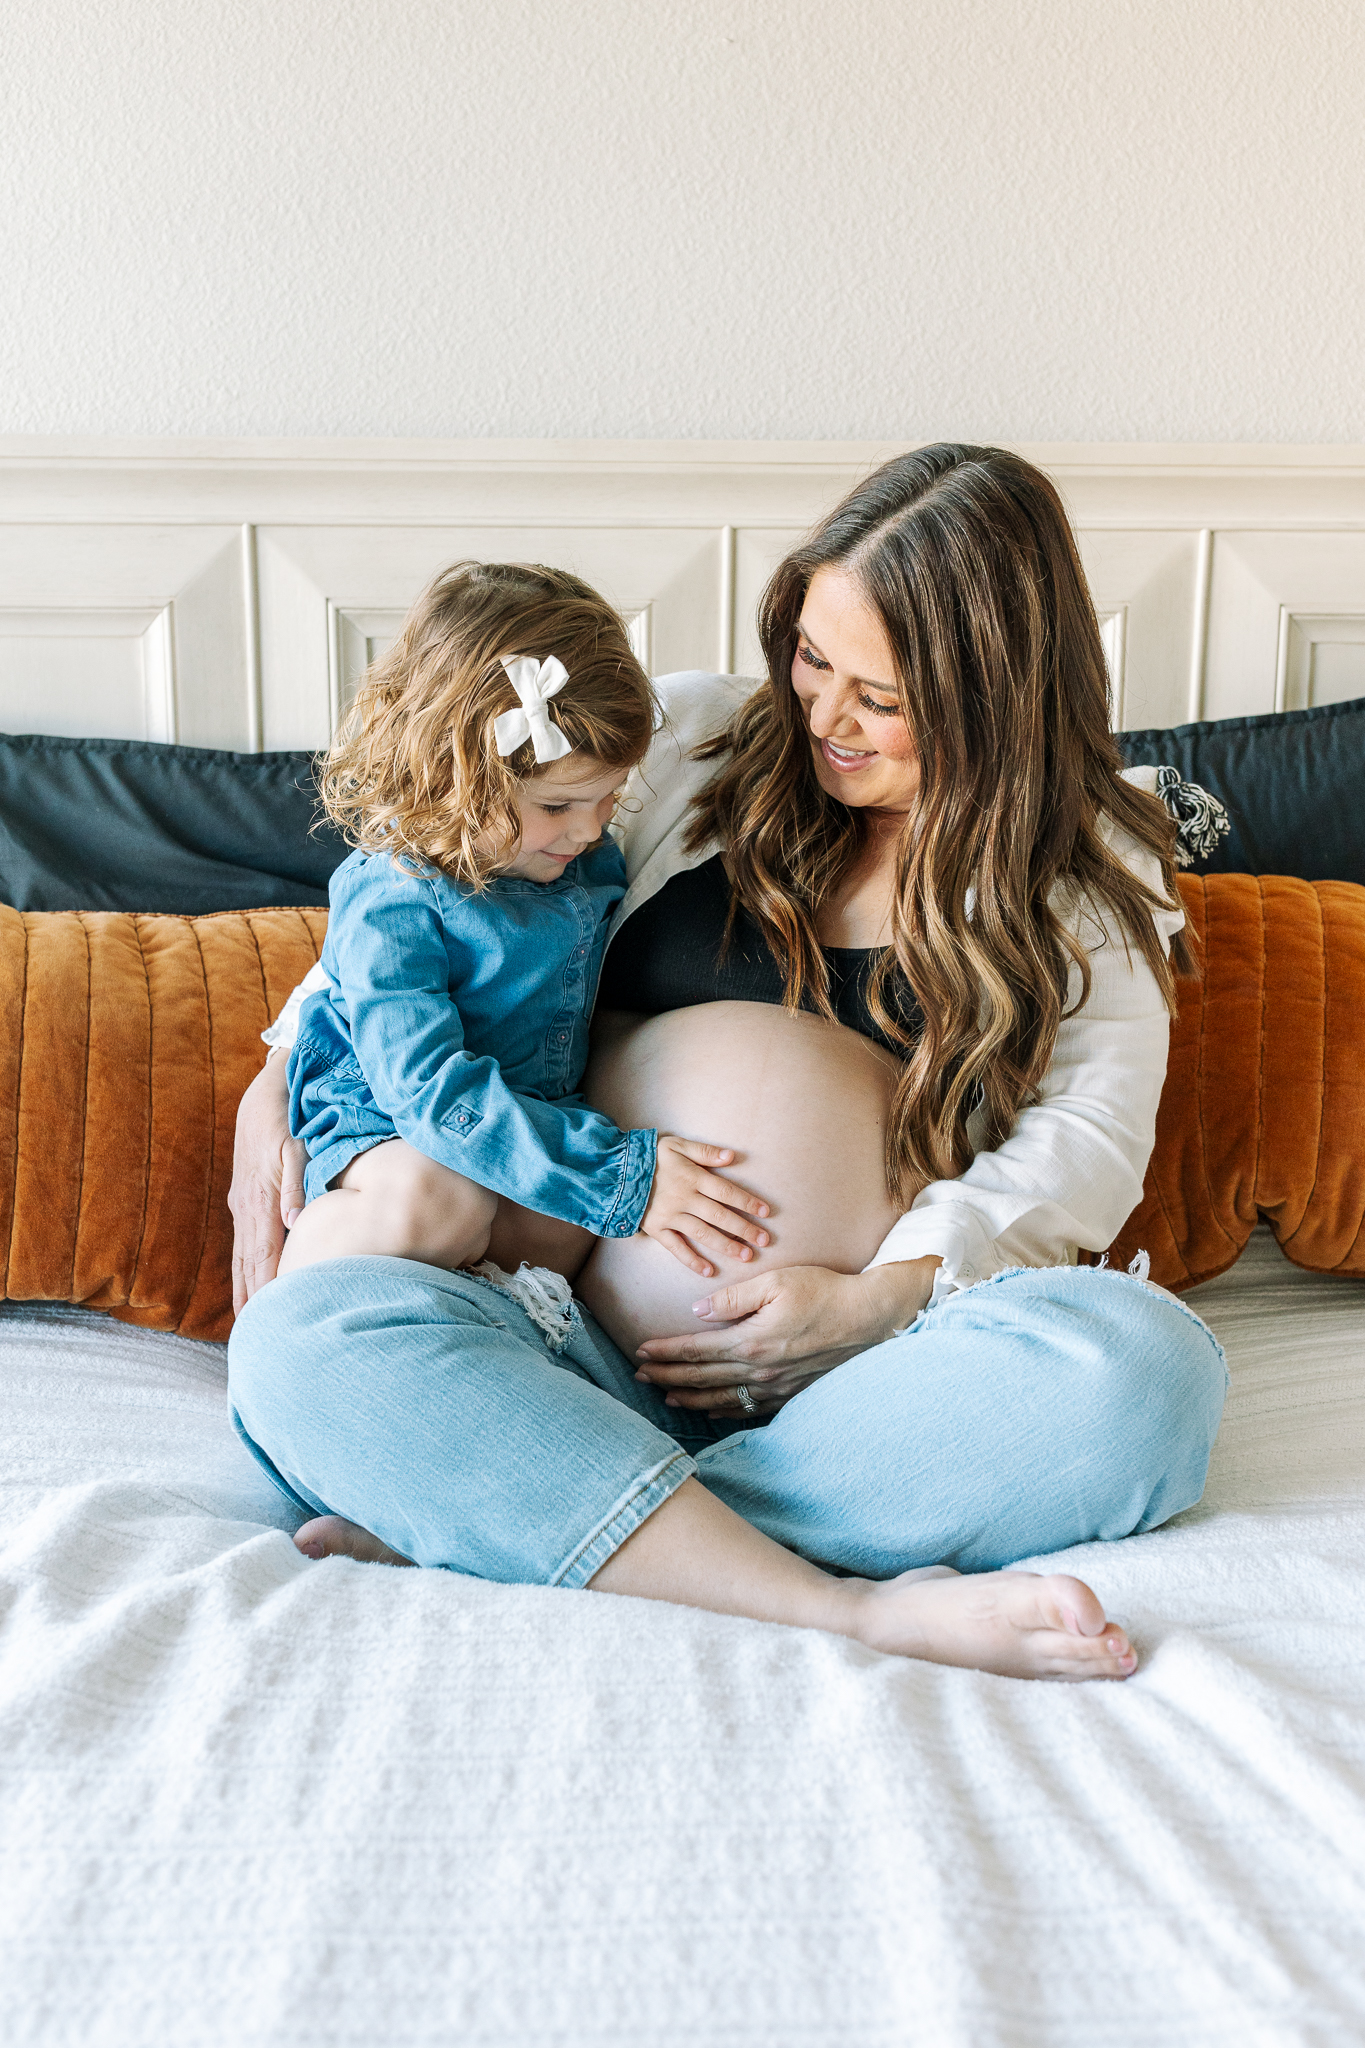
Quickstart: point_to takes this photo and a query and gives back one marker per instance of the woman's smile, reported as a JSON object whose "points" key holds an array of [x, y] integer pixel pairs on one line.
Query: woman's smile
{"points": [[847, 760]]}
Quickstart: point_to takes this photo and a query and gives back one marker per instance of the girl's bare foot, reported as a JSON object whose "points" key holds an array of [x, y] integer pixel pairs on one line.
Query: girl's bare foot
{"points": [[1016, 1623], [331, 1536]]}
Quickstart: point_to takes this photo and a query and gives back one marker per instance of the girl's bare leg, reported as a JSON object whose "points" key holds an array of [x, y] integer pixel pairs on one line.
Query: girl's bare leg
{"points": [[394, 1202]]}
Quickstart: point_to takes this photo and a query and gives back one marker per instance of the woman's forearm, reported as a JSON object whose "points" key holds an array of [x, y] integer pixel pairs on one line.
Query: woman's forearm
{"points": [[895, 1294], [267, 1179]]}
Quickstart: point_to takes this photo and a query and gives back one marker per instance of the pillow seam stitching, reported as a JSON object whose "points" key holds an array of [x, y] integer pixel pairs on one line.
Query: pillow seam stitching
{"points": [[85, 1107], [260, 968], [135, 1274], [213, 1128], [18, 1102], [1260, 1055]]}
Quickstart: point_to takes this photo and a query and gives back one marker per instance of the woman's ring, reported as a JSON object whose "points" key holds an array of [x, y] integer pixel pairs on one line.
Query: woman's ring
{"points": [[746, 1400]]}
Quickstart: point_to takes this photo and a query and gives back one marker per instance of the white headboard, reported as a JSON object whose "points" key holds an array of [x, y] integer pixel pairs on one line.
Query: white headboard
{"points": [[227, 593]]}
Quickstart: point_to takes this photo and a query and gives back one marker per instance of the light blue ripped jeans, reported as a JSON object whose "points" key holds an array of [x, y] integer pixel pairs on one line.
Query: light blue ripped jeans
{"points": [[1028, 1413]]}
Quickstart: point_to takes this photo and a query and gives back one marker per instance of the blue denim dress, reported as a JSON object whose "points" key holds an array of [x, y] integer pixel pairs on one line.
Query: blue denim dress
{"points": [[458, 1020]]}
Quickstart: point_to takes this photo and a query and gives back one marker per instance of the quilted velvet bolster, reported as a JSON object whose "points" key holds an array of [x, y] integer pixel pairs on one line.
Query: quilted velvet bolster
{"points": [[126, 1042]]}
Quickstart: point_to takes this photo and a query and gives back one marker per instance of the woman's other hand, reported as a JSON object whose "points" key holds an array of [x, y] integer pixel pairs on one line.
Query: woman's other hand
{"points": [[267, 1181], [692, 1211], [781, 1330]]}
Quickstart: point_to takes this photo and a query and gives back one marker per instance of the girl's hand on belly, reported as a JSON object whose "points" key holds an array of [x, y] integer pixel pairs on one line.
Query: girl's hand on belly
{"points": [[692, 1211], [782, 1330]]}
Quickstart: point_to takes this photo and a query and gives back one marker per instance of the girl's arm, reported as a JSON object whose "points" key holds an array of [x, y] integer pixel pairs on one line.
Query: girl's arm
{"points": [[386, 951]]}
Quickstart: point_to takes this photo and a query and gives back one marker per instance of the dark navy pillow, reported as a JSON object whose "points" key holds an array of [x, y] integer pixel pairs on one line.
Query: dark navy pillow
{"points": [[1292, 783], [137, 825]]}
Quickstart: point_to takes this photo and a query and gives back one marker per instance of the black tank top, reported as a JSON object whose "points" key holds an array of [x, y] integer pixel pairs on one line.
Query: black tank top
{"points": [[667, 956]]}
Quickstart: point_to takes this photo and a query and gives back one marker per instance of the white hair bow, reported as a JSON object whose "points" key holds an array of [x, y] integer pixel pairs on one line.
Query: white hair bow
{"points": [[535, 682]]}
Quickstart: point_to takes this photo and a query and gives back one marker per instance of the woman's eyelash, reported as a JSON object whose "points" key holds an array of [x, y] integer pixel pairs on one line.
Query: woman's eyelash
{"points": [[813, 660]]}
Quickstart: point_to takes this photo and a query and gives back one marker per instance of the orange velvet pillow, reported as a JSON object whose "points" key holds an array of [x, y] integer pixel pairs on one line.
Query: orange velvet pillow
{"points": [[126, 1042], [1263, 1112]]}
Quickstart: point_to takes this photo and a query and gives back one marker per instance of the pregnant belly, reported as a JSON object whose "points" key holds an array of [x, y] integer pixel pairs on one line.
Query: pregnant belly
{"points": [[802, 1103]]}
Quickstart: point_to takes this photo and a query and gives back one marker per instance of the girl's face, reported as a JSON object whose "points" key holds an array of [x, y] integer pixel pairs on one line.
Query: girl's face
{"points": [[563, 810], [844, 673]]}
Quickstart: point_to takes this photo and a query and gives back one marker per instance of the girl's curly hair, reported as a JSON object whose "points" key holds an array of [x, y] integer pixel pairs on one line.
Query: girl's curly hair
{"points": [[414, 771]]}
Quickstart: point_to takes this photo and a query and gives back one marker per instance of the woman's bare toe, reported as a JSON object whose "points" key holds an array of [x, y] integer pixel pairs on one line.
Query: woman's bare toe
{"points": [[331, 1536], [1016, 1623]]}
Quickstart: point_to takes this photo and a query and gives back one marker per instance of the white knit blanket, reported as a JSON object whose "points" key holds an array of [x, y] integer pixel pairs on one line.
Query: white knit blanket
{"points": [[245, 1799]]}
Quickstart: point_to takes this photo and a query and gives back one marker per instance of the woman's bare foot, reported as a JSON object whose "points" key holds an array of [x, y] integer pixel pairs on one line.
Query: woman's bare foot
{"points": [[695, 1551], [331, 1536], [1018, 1624]]}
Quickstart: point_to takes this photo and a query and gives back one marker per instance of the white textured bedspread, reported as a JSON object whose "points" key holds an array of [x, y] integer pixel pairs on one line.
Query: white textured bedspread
{"points": [[245, 1799]]}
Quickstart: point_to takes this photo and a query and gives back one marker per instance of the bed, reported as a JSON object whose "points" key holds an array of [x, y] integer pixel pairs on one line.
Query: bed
{"points": [[249, 1799], [245, 1799]]}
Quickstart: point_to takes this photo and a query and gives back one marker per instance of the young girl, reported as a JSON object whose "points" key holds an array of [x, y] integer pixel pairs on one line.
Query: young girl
{"points": [[434, 1078]]}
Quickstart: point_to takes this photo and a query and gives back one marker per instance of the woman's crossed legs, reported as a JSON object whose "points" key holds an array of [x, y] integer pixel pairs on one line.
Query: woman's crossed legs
{"points": [[1037, 1411]]}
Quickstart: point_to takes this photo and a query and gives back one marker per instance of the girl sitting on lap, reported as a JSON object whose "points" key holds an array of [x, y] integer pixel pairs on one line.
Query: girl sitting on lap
{"points": [[434, 1080]]}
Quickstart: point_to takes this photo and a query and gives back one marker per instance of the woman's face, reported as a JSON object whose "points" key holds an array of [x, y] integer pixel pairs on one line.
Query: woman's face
{"points": [[844, 674]]}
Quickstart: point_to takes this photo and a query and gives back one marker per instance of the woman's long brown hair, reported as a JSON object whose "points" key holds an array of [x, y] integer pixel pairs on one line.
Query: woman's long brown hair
{"points": [[967, 558]]}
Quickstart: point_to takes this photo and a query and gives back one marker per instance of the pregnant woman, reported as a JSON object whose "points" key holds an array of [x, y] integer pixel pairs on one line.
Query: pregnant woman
{"points": [[899, 932]]}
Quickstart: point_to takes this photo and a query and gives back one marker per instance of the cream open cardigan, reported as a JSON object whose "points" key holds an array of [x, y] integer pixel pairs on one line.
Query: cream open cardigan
{"points": [[1070, 1173]]}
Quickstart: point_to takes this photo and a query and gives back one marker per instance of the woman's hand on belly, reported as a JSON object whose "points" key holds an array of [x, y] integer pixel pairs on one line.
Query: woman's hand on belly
{"points": [[780, 1331], [803, 1105]]}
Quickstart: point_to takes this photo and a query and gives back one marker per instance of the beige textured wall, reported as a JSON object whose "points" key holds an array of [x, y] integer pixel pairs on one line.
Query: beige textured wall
{"points": [[1085, 219]]}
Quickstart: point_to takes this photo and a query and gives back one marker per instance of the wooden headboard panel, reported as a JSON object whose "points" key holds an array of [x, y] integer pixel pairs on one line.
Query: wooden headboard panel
{"points": [[227, 593]]}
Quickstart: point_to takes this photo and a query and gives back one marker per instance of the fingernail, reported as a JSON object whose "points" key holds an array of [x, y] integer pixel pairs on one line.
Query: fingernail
{"points": [[702, 1308], [292, 1218]]}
